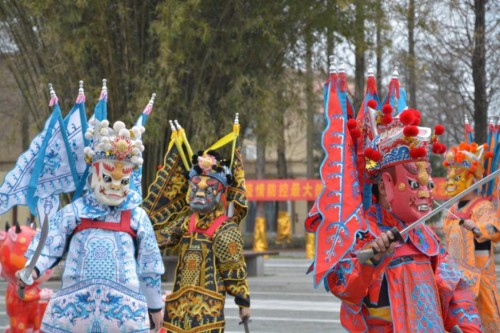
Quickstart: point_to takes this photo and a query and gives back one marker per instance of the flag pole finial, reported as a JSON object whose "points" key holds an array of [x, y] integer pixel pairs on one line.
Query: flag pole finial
{"points": [[371, 71]]}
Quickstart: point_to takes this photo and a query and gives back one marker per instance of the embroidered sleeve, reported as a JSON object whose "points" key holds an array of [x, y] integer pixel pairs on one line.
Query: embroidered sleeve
{"points": [[149, 260], [459, 307], [484, 215], [61, 226], [228, 247], [169, 236]]}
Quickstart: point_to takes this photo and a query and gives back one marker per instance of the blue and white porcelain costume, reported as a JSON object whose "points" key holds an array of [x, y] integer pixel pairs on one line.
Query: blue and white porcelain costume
{"points": [[106, 287]]}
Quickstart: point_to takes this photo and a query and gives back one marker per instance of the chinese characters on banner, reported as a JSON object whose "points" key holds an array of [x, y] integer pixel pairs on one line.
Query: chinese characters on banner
{"points": [[305, 189]]}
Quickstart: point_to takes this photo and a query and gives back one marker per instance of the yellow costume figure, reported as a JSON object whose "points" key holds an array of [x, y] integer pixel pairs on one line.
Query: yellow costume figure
{"points": [[472, 228], [188, 214]]}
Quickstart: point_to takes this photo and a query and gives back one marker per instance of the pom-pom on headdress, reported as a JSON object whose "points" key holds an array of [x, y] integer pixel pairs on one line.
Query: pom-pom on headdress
{"points": [[392, 139], [114, 143], [211, 164], [469, 156]]}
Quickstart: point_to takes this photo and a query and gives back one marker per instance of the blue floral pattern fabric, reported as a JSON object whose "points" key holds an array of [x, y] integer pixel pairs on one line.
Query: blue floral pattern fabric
{"points": [[110, 279]]}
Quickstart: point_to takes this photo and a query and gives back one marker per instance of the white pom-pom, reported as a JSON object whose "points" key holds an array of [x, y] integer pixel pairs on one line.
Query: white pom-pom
{"points": [[86, 150], [134, 159], [105, 139], [140, 161], [104, 131], [136, 151], [124, 132], [108, 146], [142, 128], [118, 126], [137, 132], [105, 123], [141, 147], [88, 135], [91, 153]]}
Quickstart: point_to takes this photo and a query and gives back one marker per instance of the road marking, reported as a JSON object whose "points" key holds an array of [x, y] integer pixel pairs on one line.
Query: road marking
{"points": [[289, 305], [290, 319]]}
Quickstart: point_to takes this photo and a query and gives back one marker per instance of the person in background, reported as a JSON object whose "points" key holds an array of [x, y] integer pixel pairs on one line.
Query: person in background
{"points": [[471, 228]]}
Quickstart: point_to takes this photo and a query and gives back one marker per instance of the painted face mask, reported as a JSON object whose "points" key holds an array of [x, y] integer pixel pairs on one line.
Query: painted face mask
{"points": [[111, 181], [204, 193], [408, 190], [458, 180]]}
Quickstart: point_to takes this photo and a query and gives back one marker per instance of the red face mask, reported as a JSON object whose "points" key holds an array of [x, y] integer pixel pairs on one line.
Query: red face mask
{"points": [[408, 190]]}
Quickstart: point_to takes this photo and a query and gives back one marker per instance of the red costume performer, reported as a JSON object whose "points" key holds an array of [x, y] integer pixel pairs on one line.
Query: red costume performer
{"points": [[408, 286], [24, 313]]}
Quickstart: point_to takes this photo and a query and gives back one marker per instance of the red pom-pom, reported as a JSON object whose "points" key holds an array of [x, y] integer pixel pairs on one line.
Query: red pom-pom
{"points": [[439, 129], [443, 148], [376, 156], [369, 152], [387, 109], [351, 123], [410, 131], [436, 148], [406, 117], [372, 104], [387, 119], [418, 152], [416, 114], [489, 154], [355, 132], [159, 167]]}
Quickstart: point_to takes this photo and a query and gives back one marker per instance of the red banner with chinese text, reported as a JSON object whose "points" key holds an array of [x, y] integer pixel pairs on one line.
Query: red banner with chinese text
{"points": [[283, 189], [306, 189]]}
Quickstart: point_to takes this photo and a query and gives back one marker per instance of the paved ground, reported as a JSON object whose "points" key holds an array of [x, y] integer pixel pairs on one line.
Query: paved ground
{"points": [[283, 301]]}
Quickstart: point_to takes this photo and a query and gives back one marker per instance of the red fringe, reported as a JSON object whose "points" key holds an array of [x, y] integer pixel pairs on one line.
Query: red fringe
{"points": [[371, 85]]}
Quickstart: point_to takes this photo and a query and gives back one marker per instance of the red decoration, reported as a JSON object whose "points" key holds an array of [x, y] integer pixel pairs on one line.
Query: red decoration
{"points": [[376, 156], [387, 109], [372, 104], [355, 133], [439, 129], [351, 124], [406, 117], [418, 152], [159, 167], [410, 131], [387, 119]]}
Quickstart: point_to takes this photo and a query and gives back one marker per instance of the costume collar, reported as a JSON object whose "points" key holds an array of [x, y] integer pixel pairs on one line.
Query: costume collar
{"points": [[91, 208]]}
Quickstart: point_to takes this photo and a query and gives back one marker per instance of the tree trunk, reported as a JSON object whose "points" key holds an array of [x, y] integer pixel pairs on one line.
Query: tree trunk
{"points": [[479, 73], [309, 107], [412, 77], [379, 45], [359, 50]]}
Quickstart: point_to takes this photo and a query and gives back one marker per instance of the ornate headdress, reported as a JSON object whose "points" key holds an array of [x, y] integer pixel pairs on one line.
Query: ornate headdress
{"points": [[469, 156], [166, 198], [115, 143], [390, 139], [211, 164]]}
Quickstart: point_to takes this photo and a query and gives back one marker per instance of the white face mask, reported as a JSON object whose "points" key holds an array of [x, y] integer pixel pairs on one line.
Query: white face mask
{"points": [[111, 181]]}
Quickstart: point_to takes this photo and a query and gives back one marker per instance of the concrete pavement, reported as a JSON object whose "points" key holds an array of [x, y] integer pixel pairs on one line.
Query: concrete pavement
{"points": [[283, 300]]}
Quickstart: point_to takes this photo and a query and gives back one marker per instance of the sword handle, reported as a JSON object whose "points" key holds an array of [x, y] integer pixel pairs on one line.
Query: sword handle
{"points": [[20, 292], [365, 255], [26, 277], [475, 230]]}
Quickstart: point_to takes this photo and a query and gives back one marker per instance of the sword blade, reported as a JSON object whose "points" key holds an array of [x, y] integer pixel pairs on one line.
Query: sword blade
{"points": [[43, 237]]}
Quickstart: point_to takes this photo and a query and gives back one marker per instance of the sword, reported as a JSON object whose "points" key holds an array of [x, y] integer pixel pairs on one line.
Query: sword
{"points": [[475, 230], [244, 322], [26, 273], [366, 254]]}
